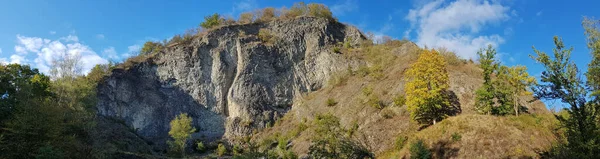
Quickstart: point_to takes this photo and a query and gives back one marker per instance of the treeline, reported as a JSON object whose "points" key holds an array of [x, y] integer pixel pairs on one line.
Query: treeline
{"points": [[48, 116]]}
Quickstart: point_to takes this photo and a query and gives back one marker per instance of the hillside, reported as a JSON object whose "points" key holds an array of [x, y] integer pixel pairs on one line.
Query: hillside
{"points": [[269, 80]]}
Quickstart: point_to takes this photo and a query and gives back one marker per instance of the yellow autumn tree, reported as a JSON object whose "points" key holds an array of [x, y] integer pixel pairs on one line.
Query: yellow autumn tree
{"points": [[519, 80], [181, 131], [427, 82]]}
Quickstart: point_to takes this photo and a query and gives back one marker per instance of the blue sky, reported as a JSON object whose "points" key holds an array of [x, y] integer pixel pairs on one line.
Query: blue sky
{"points": [[34, 31]]}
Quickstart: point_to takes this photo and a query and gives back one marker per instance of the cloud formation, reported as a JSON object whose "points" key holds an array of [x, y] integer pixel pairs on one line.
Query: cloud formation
{"points": [[46, 51], [346, 6], [100, 36], [457, 25]]}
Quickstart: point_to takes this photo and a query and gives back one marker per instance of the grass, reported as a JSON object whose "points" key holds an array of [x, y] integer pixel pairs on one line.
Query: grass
{"points": [[331, 102]]}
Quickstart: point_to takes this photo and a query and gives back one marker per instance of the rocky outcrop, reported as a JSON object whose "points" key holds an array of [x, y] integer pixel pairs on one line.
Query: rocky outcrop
{"points": [[229, 80]]}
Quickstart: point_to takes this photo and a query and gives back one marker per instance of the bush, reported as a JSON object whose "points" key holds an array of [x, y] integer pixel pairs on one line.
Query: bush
{"points": [[200, 146], [418, 150], [456, 137], [400, 142], [211, 21], [399, 100], [387, 113], [266, 15], [319, 10], [221, 150], [374, 102], [266, 36], [331, 102], [151, 47], [298, 9], [245, 18], [337, 50]]}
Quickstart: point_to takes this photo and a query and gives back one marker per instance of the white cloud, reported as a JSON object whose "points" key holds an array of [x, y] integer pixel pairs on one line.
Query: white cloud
{"points": [[17, 59], [457, 25], [539, 13], [245, 5], [52, 32], [111, 53], [134, 48], [70, 38], [48, 50], [100, 36], [346, 6]]}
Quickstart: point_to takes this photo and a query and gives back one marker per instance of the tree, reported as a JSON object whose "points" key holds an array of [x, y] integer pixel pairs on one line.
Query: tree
{"points": [[330, 142], [211, 21], [151, 47], [247, 17], [484, 96], [519, 81], [418, 150], [19, 83], [592, 32], [266, 14], [426, 87], [561, 80], [181, 131]]}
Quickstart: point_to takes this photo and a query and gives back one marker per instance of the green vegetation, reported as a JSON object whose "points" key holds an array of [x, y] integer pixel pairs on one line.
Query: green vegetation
{"points": [[329, 142], [426, 88], [211, 21], [400, 142], [221, 150], [399, 100], [200, 146], [561, 81], [502, 87], [151, 47], [266, 36], [456, 137], [418, 150], [331, 102], [181, 131]]}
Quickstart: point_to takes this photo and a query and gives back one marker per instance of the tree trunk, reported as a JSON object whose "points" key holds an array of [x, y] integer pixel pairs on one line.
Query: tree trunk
{"points": [[433, 121], [516, 105]]}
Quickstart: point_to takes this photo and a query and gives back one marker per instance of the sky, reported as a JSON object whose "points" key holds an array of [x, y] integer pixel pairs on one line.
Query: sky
{"points": [[35, 31]]}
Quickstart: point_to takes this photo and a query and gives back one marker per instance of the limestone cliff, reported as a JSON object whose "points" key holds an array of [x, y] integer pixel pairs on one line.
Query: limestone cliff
{"points": [[229, 80]]}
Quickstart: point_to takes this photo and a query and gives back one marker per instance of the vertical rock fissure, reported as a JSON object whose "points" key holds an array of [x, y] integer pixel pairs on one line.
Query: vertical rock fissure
{"points": [[239, 63]]}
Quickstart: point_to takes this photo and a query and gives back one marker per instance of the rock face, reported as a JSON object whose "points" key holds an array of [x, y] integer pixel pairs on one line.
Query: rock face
{"points": [[230, 80]]}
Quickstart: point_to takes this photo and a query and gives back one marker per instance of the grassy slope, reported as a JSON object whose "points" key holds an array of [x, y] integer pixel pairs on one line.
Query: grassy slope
{"points": [[486, 136]]}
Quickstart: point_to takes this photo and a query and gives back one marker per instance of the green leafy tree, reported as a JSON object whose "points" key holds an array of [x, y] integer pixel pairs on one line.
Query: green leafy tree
{"points": [[181, 131], [330, 142], [211, 21], [592, 32], [426, 87], [561, 80], [151, 47], [418, 150], [484, 96], [519, 81]]}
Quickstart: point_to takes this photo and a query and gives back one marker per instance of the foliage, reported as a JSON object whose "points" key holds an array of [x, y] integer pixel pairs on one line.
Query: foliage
{"points": [[181, 131], [151, 47], [266, 36], [484, 96], [19, 83], [561, 80], [418, 150], [328, 141], [337, 50], [211, 21], [331, 102], [266, 14], [592, 32], [425, 90], [451, 57], [200, 146], [374, 101], [399, 100], [456, 137], [518, 81], [400, 142], [245, 18], [319, 10], [221, 150]]}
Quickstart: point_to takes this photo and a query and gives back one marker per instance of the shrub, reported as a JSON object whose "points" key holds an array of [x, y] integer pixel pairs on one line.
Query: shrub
{"points": [[151, 47], [200, 146], [237, 150], [456, 137], [211, 21], [354, 126], [451, 57], [221, 150], [387, 113], [400, 142], [319, 10], [267, 14], [374, 102], [245, 18], [328, 141], [399, 100], [266, 36], [337, 50], [331, 102], [418, 150], [298, 9]]}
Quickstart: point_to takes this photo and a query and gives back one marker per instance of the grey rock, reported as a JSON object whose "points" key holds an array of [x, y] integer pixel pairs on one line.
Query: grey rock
{"points": [[228, 80]]}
